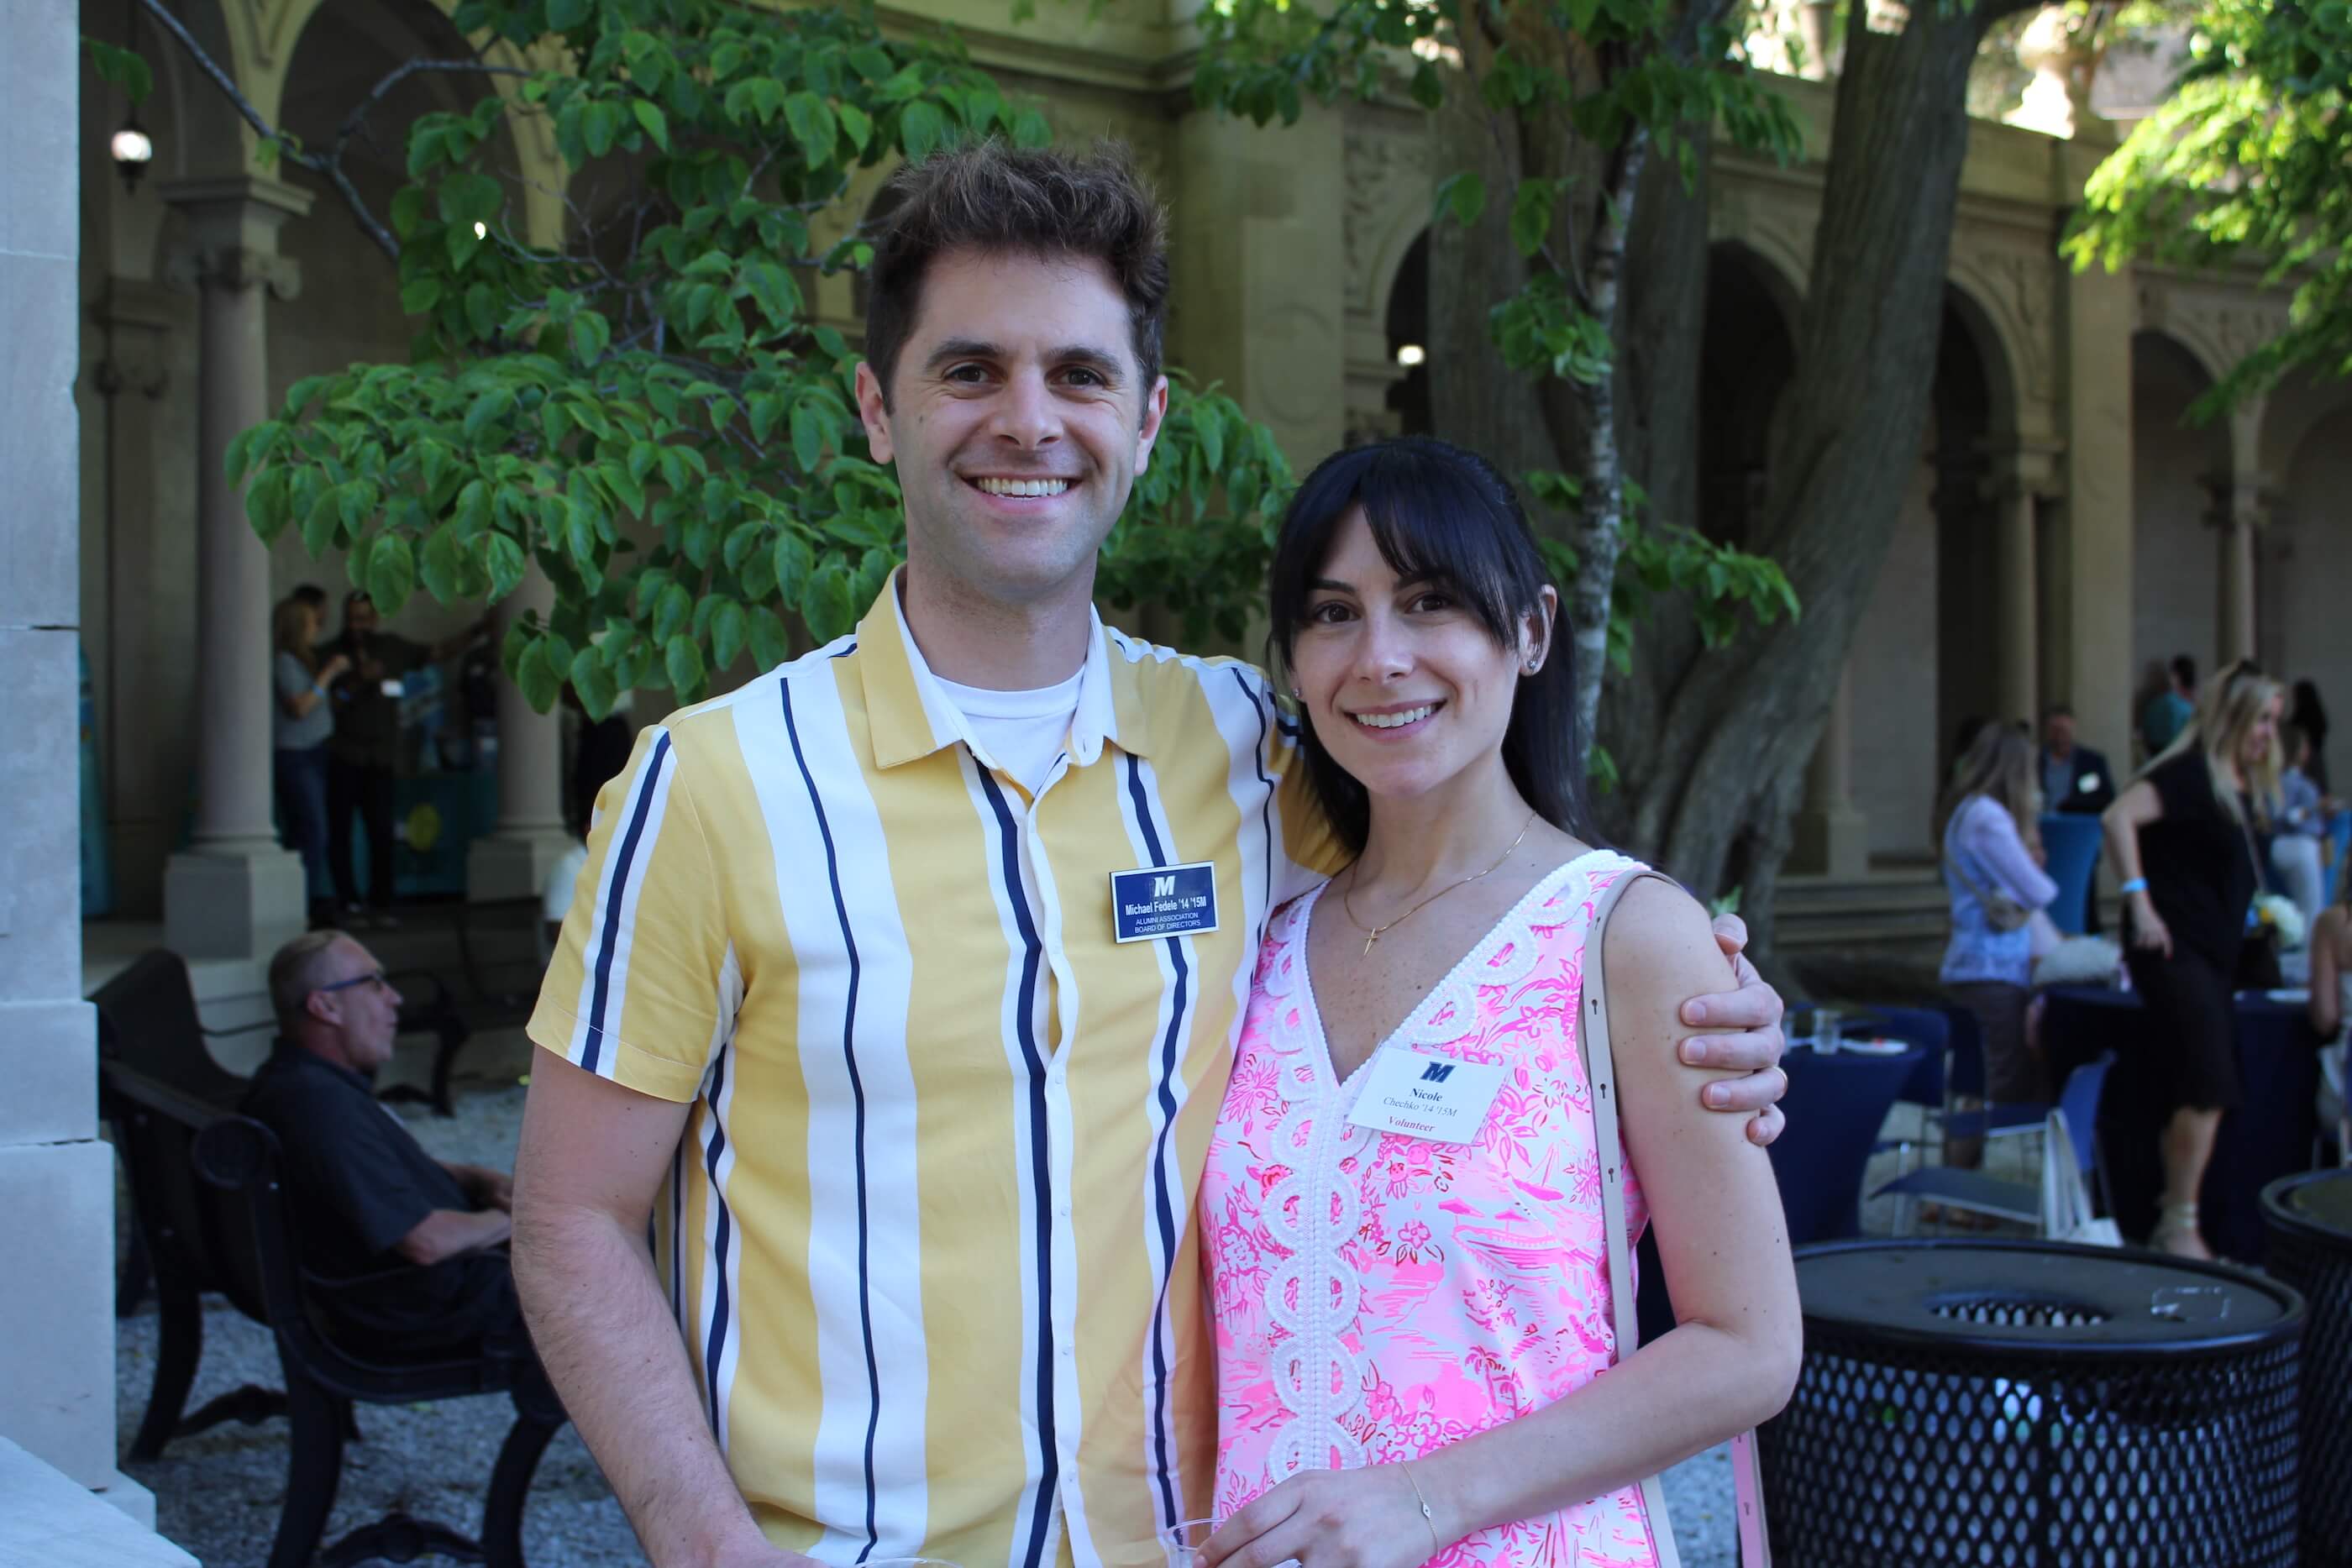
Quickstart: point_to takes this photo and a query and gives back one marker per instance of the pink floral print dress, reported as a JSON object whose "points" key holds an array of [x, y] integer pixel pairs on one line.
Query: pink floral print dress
{"points": [[1379, 1296]]}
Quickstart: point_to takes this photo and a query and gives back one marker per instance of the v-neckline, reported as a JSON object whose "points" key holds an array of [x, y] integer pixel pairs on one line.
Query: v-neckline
{"points": [[1329, 1070]]}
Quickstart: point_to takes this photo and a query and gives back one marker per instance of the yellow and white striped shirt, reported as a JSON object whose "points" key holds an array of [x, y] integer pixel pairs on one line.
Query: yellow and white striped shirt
{"points": [[928, 1233]]}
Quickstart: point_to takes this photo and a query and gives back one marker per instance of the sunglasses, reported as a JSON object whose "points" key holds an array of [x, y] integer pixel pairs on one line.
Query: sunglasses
{"points": [[376, 978]]}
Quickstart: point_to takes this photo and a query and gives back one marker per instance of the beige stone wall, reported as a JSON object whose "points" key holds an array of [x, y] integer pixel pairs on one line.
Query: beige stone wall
{"points": [[1287, 244]]}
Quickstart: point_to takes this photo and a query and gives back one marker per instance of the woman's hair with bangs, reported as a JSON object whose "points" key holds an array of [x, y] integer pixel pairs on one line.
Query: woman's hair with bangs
{"points": [[1441, 513]]}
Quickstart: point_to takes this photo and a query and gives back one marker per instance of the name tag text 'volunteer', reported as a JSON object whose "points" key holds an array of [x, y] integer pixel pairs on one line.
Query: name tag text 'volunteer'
{"points": [[1161, 901], [1432, 1097]]}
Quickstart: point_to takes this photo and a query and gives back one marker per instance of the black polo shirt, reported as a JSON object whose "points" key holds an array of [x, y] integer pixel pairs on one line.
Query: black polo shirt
{"points": [[357, 1181]]}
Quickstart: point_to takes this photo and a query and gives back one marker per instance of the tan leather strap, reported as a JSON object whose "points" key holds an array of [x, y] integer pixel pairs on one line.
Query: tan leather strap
{"points": [[1601, 1071]]}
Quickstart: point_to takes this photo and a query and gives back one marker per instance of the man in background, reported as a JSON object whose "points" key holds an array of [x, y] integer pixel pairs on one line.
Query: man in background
{"points": [[364, 754], [368, 1201], [2168, 713]]}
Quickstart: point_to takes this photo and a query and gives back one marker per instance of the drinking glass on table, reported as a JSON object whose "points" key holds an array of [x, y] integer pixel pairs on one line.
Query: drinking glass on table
{"points": [[1827, 1023]]}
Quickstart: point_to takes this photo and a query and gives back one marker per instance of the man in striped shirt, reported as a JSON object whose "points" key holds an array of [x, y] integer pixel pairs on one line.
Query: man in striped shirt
{"points": [[854, 1001]]}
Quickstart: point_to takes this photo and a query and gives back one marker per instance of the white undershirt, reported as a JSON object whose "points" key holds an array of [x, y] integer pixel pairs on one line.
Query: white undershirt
{"points": [[1022, 732]]}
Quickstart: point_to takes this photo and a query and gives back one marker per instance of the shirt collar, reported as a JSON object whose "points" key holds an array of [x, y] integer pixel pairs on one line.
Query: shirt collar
{"points": [[303, 1059], [911, 717]]}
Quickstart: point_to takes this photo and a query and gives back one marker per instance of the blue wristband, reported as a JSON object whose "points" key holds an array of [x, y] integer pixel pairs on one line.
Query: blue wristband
{"points": [[2136, 884]]}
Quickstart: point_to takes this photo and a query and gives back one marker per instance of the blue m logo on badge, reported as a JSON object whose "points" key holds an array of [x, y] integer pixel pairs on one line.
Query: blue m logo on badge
{"points": [[1163, 887], [1437, 1073]]}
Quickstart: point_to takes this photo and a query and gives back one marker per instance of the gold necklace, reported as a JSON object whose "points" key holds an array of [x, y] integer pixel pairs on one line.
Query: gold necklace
{"points": [[1373, 932]]}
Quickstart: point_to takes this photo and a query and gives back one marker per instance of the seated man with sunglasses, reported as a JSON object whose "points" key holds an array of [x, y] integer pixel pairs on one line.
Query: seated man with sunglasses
{"points": [[407, 1237]]}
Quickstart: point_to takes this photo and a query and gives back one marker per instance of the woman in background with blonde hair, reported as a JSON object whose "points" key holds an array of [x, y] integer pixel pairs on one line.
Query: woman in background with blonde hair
{"points": [[1986, 824], [2182, 839]]}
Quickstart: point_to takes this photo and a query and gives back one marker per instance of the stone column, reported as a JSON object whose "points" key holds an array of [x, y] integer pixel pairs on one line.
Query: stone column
{"points": [[56, 1176], [235, 893], [2241, 515], [513, 862], [2091, 667], [1830, 836], [2015, 486]]}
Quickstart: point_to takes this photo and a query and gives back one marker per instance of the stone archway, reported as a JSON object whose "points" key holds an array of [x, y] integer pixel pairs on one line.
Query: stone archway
{"points": [[1748, 354]]}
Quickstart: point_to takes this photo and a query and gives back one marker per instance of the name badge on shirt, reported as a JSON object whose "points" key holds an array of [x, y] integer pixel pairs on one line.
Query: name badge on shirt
{"points": [[1432, 1097], [1158, 901]]}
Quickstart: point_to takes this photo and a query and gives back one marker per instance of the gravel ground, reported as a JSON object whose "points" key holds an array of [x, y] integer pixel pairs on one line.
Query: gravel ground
{"points": [[219, 1494]]}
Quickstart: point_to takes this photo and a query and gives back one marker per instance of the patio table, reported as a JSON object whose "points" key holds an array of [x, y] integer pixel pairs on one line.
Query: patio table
{"points": [[2268, 1136], [2035, 1403], [2310, 1220]]}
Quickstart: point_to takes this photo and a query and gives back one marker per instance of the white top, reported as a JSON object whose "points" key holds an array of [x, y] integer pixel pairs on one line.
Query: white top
{"points": [[1021, 733]]}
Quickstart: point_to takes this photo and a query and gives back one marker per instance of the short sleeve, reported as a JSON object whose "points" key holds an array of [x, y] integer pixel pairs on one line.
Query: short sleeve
{"points": [[293, 680], [634, 991]]}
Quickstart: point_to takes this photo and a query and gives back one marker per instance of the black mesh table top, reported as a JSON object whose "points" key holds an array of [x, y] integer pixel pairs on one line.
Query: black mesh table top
{"points": [[2318, 1206], [2037, 1301], [2033, 1403], [2310, 1248]]}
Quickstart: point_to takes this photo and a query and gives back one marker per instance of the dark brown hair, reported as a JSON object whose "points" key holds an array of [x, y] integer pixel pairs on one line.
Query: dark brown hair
{"points": [[993, 197]]}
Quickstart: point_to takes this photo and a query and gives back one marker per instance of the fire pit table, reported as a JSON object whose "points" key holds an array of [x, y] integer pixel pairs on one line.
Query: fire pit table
{"points": [[2035, 1404], [2309, 1219]]}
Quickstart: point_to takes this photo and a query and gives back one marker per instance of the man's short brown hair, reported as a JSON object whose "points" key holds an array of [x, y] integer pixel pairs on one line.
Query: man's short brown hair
{"points": [[992, 198]]}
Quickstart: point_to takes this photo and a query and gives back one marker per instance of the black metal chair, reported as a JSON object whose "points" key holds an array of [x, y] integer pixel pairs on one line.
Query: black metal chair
{"points": [[240, 1208], [155, 1128], [147, 1019]]}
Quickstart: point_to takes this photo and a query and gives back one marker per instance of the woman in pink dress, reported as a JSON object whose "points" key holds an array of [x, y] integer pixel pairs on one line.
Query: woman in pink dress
{"points": [[1400, 1212]]}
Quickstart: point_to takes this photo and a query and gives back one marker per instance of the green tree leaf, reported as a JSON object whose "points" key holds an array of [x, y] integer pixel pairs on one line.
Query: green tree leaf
{"points": [[391, 572], [655, 124]]}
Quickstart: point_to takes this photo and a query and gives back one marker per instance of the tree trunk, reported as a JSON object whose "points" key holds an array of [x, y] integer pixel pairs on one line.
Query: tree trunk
{"points": [[1665, 322], [1476, 400], [1600, 530], [1730, 747]]}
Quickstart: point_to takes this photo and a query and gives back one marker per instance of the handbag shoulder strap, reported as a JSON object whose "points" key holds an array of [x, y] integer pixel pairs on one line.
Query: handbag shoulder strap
{"points": [[1601, 1073], [1956, 857]]}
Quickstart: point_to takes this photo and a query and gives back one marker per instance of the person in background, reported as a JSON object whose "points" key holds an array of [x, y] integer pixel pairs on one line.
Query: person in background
{"points": [[1986, 823], [364, 750], [2168, 712], [299, 722], [368, 1201], [2074, 779], [2331, 1014], [2181, 838], [2302, 823], [312, 594], [2308, 716]]}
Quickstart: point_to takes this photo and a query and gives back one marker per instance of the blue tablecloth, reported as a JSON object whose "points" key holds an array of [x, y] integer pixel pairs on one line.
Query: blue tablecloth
{"points": [[1837, 1102], [2268, 1137]]}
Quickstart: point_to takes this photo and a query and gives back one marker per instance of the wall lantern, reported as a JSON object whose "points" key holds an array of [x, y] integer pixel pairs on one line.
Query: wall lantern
{"points": [[134, 150], [1411, 354]]}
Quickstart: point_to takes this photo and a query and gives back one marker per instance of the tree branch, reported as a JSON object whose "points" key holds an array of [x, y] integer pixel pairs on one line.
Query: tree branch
{"points": [[327, 165]]}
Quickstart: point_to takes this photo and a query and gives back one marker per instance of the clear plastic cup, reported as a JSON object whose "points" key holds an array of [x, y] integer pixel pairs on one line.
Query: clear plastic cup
{"points": [[1827, 1023], [1185, 1541]]}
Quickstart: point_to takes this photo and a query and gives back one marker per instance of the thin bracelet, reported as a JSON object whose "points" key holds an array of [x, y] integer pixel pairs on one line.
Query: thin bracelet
{"points": [[1427, 1517], [2136, 884]]}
